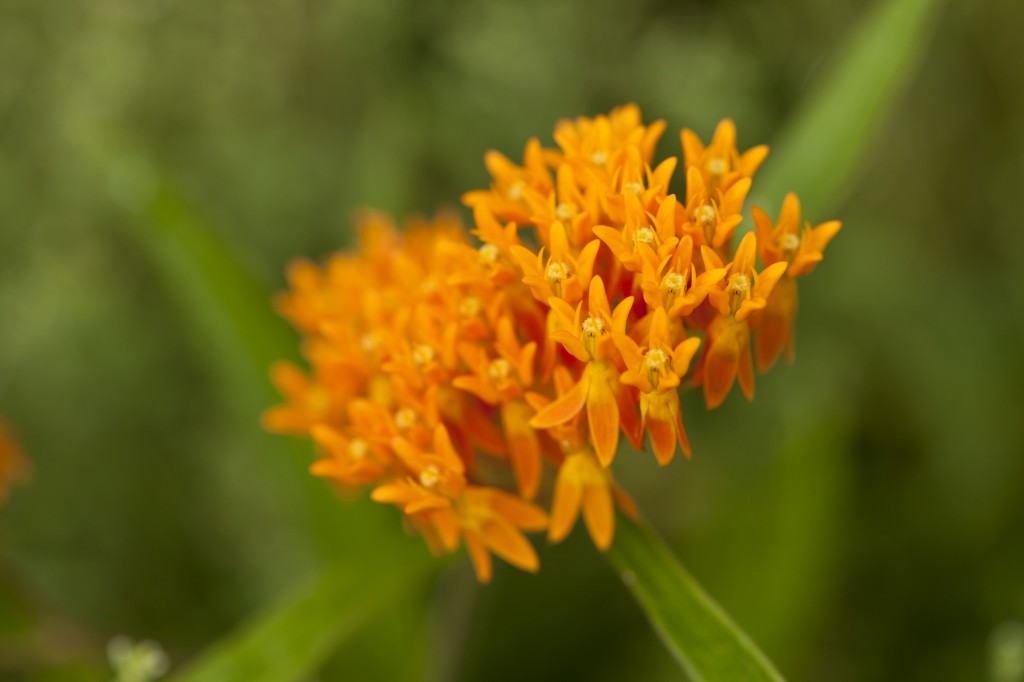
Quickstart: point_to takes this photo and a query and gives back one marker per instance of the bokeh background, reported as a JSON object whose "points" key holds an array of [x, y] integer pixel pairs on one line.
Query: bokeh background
{"points": [[863, 519]]}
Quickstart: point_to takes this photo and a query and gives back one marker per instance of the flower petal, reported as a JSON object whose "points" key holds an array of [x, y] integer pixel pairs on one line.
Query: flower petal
{"points": [[566, 505], [564, 408], [603, 420], [599, 515]]}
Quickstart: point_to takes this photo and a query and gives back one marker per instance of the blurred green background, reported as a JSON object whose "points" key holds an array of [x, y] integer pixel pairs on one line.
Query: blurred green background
{"points": [[863, 519]]}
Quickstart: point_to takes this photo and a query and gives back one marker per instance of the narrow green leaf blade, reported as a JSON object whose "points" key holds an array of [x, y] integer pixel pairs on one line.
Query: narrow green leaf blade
{"points": [[227, 305], [695, 630], [294, 638], [824, 144], [231, 316]]}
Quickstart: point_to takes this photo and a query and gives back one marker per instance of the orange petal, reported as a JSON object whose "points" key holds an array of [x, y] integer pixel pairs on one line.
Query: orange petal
{"points": [[746, 373], [566, 505], [523, 447], [598, 301], [720, 367], [284, 419], [426, 503], [481, 558], [503, 539], [599, 515], [752, 159], [629, 419], [773, 334], [684, 440], [663, 439], [471, 383], [519, 513], [603, 420], [446, 525], [564, 408], [289, 379]]}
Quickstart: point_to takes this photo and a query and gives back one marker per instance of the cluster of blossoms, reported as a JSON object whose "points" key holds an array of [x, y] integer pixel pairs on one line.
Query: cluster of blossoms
{"points": [[590, 296]]}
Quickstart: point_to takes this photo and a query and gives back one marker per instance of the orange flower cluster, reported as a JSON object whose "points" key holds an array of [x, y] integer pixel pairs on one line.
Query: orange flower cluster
{"points": [[590, 296]]}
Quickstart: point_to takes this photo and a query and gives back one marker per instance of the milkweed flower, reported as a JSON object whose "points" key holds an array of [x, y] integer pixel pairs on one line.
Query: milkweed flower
{"points": [[800, 248], [561, 325]]}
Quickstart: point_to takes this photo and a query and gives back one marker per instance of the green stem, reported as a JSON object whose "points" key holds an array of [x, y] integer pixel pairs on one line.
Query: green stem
{"points": [[696, 631]]}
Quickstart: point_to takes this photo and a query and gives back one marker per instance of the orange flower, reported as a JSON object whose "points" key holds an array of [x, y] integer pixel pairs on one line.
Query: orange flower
{"points": [[583, 483], [309, 401], [802, 249], [728, 347], [562, 274], [644, 239], [657, 371], [502, 381], [598, 389], [674, 284], [787, 242], [746, 289], [720, 164], [711, 213], [597, 144], [352, 462], [437, 498], [506, 198]]}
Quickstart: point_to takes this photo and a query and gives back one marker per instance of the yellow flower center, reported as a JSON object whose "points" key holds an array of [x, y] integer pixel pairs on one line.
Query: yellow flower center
{"points": [[706, 216], [430, 476], [470, 307], [655, 359], [515, 192], [499, 369], [717, 166], [645, 235], [599, 158], [565, 211], [594, 326], [634, 187], [557, 272], [405, 418], [422, 354], [674, 283], [790, 243], [739, 284], [369, 343], [358, 449], [488, 254]]}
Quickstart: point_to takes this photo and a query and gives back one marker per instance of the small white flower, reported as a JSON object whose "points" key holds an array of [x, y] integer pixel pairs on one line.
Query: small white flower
{"points": [[142, 661]]}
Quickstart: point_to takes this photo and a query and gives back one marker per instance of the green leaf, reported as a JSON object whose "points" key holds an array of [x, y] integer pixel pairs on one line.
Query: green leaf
{"points": [[231, 317], [294, 638], [221, 299], [695, 630], [825, 143]]}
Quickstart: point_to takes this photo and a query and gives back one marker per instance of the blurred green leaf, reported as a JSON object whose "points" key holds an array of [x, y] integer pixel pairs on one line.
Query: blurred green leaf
{"points": [[228, 305], [698, 633], [233, 317], [825, 143], [294, 638]]}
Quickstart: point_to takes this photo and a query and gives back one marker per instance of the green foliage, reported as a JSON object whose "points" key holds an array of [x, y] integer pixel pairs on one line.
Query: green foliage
{"points": [[701, 636], [826, 141], [296, 637]]}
